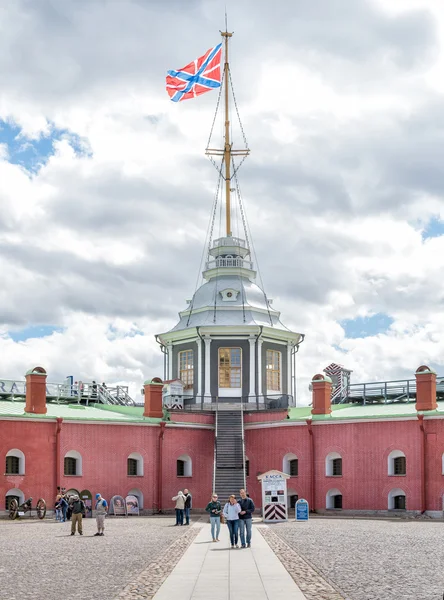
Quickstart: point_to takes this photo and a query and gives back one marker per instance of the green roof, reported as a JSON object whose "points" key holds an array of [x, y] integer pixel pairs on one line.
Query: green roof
{"points": [[359, 411]]}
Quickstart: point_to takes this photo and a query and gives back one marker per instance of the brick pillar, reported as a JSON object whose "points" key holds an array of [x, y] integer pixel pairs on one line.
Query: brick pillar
{"points": [[36, 391], [152, 390], [321, 385], [425, 389]]}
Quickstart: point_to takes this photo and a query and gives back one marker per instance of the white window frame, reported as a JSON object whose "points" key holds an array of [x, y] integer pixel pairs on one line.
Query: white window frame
{"points": [[17, 454], [286, 463], [391, 498], [391, 462], [186, 386], [270, 392], [228, 392], [79, 463], [139, 458], [188, 465], [329, 464]]}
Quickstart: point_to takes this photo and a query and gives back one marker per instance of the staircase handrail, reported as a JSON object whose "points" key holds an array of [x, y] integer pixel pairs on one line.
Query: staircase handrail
{"points": [[243, 444], [215, 444]]}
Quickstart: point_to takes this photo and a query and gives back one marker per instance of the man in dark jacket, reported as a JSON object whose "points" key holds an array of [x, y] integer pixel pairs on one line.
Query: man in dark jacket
{"points": [[78, 512], [188, 501], [245, 518]]}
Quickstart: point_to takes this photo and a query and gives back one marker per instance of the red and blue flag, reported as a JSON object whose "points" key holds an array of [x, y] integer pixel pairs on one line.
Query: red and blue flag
{"points": [[200, 76]]}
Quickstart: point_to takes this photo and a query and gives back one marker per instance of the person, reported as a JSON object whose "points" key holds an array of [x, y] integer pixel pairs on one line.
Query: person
{"points": [[180, 505], [58, 508], [94, 389], [63, 506], [214, 508], [188, 505], [78, 512], [101, 510], [231, 514], [245, 517]]}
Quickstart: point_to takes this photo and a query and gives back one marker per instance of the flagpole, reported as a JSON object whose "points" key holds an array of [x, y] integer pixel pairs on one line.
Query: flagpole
{"points": [[227, 145]]}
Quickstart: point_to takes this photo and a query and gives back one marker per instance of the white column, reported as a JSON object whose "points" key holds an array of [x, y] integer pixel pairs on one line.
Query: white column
{"points": [[252, 392], [207, 392], [170, 361], [199, 367], [289, 366], [259, 370]]}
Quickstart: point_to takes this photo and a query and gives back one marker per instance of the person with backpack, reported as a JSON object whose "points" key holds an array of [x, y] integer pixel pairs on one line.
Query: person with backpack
{"points": [[78, 512], [101, 510], [214, 508]]}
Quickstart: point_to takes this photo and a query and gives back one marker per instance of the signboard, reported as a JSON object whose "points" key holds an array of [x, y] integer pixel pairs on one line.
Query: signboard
{"points": [[274, 496], [301, 510], [118, 506], [86, 496], [132, 505]]}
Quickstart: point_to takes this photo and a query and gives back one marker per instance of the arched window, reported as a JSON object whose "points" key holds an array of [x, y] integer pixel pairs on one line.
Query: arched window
{"points": [[333, 464], [333, 500], [184, 467], [15, 462], [16, 494], [139, 495], [396, 499], [135, 464], [290, 464], [396, 463], [72, 464]]}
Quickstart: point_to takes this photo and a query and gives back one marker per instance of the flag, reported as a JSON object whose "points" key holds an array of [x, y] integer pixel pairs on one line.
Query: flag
{"points": [[200, 76]]}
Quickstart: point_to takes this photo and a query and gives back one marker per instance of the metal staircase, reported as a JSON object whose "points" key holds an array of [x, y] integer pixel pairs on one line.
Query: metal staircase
{"points": [[229, 464]]}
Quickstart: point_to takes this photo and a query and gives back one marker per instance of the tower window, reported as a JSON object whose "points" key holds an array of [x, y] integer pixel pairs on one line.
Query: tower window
{"points": [[230, 367], [186, 369], [273, 359]]}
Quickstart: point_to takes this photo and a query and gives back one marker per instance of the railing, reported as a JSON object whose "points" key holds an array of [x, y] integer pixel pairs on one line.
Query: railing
{"points": [[232, 241], [400, 390], [215, 450], [268, 402], [243, 446], [222, 262]]}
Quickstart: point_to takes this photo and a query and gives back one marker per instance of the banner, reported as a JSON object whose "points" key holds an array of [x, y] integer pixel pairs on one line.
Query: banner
{"points": [[132, 505]]}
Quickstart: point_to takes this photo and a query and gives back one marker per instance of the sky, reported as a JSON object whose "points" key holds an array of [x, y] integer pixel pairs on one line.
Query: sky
{"points": [[105, 191]]}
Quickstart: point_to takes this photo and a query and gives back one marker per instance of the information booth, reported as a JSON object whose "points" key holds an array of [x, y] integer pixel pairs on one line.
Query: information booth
{"points": [[274, 496]]}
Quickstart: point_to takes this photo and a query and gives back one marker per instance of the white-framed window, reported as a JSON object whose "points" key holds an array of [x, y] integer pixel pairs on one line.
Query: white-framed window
{"points": [[184, 466], [290, 464], [15, 462], [135, 464], [15, 494], [333, 464], [230, 368], [397, 499], [273, 370], [72, 463], [186, 368], [396, 464], [333, 499]]}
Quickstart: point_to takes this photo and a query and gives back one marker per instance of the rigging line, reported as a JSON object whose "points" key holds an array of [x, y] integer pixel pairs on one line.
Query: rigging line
{"points": [[237, 109], [217, 109], [247, 227], [241, 258], [217, 266], [208, 236]]}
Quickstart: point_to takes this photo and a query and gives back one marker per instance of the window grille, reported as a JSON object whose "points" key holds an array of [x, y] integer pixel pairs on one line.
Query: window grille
{"points": [[186, 369], [247, 468], [399, 465], [180, 468], [399, 502], [132, 466], [337, 500], [12, 465], [230, 367], [294, 467], [70, 466], [273, 364], [337, 466]]}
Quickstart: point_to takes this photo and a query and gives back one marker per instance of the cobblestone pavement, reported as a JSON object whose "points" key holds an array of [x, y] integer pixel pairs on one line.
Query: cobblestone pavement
{"points": [[40, 560], [311, 583], [370, 560]]}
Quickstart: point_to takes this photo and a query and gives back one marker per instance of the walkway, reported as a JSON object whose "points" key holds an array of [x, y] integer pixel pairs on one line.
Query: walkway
{"points": [[214, 571]]}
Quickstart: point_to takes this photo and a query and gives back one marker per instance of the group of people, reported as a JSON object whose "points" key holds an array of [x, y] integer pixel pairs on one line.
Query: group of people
{"points": [[183, 506], [237, 514], [74, 509]]}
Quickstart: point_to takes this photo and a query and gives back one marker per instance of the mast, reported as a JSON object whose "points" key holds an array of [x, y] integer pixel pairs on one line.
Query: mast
{"points": [[227, 152], [227, 145]]}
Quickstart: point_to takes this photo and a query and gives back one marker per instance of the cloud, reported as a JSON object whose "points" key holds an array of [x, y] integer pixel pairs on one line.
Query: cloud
{"points": [[342, 110]]}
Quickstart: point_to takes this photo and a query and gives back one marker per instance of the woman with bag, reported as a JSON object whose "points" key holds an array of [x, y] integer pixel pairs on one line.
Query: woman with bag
{"points": [[214, 508], [231, 514]]}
